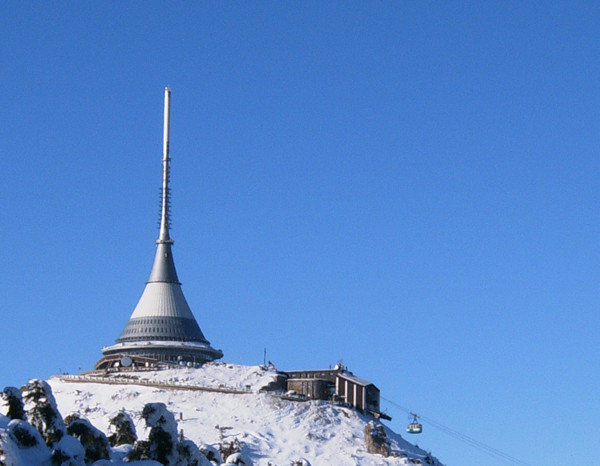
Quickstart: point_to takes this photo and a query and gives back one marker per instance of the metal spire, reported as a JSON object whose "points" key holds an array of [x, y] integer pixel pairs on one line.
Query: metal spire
{"points": [[164, 214], [163, 269]]}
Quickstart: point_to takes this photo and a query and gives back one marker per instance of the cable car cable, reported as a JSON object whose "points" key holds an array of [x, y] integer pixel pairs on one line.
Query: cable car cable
{"points": [[498, 454]]}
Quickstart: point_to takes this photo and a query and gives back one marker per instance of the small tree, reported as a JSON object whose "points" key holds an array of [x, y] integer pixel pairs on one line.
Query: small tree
{"points": [[190, 455], [212, 454], [124, 430], [12, 397], [228, 449], [42, 412], [94, 442], [162, 441], [140, 451]]}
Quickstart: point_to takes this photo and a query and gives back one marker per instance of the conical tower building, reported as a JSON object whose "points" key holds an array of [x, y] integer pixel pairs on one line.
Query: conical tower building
{"points": [[162, 328]]}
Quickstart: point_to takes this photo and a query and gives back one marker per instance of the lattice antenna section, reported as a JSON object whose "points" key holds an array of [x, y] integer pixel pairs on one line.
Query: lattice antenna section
{"points": [[165, 193]]}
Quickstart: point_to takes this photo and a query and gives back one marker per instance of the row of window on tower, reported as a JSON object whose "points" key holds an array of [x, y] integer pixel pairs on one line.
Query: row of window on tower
{"points": [[129, 331]]}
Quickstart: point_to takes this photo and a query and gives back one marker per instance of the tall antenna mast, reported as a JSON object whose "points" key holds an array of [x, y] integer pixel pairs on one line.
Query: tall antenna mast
{"points": [[164, 214]]}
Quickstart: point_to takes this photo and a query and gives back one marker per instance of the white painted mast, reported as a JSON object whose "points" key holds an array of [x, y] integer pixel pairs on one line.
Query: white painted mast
{"points": [[164, 214]]}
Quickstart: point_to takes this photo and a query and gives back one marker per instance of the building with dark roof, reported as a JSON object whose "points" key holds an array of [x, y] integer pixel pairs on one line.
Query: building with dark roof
{"points": [[339, 385]]}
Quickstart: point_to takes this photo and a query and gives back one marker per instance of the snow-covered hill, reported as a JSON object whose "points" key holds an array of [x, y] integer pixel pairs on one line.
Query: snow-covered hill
{"points": [[271, 429]]}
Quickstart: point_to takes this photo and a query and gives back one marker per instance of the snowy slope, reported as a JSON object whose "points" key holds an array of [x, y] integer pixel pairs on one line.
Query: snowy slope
{"points": [[272, 430]]}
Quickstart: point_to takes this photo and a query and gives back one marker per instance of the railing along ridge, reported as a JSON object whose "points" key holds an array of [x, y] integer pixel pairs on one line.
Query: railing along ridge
{"points": [[149, 383]]}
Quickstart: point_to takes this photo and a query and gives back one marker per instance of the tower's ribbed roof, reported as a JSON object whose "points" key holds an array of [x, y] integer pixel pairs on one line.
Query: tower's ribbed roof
{"points": [[162, 300], [162, 313]]}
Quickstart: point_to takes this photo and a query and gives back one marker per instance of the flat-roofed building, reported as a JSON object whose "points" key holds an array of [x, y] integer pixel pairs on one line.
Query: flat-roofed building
{"points": [[337, 384]]}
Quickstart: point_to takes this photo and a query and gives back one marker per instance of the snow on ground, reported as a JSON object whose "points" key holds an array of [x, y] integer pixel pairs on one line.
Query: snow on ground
{"points": [[213, 375], [274, 431]]}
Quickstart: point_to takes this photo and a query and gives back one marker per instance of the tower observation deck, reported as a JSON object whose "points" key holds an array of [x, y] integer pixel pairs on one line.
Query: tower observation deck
{"points": [[162, 328]]}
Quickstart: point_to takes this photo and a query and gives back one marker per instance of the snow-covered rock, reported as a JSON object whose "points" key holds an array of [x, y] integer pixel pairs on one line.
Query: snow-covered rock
{"points": [[68, 452], [238, 459], [22, 444]]}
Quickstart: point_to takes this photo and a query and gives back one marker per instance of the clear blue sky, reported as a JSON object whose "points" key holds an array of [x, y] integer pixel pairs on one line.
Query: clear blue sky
{"points": [[412, 187]]}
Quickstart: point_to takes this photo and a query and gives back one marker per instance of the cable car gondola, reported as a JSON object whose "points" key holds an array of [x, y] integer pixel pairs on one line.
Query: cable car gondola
{"points": [[414, 427]]}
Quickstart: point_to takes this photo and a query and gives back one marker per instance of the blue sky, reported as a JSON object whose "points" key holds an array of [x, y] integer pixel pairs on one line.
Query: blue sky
{"points": [[411, 187]]}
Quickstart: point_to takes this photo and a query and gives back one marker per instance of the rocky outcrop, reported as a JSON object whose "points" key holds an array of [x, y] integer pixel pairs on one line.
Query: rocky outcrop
{"points": [[376, 440]]}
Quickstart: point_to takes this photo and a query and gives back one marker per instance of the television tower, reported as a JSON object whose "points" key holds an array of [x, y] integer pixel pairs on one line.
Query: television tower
{"points": [[162, 328]]}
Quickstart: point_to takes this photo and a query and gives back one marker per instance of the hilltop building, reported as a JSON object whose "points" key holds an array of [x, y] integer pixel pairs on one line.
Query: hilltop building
{"points": [[162, 328], [337, 384]]}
